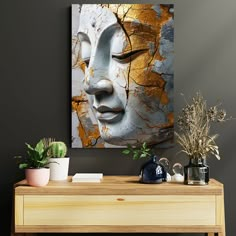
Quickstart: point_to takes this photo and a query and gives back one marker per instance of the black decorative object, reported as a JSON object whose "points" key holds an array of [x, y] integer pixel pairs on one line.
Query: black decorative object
{"points": [[152, 172], [196, 172]]}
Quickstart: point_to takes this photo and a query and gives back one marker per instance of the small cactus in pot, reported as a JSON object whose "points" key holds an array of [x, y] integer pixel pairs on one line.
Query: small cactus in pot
{"points": [[58, 162], [57, 149]]}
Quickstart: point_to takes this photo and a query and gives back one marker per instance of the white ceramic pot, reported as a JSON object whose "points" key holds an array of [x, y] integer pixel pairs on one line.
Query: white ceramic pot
{"points": [[59, 168], [37, 177]]}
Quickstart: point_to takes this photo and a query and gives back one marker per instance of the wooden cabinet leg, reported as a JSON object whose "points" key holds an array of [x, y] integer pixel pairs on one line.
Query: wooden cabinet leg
{"points": [[221, 234], [211, 234], [220, 214]]}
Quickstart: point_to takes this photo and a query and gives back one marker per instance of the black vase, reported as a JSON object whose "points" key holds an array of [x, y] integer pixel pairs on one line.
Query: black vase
{"points": [[196, 172], [152, 172]]}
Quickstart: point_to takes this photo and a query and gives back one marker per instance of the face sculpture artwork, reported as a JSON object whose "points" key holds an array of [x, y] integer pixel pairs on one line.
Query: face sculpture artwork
{"points": [[126, 54]]}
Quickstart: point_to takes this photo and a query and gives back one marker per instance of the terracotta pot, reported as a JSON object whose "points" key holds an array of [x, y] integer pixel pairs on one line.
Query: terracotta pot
{"points": [[37, 177]]}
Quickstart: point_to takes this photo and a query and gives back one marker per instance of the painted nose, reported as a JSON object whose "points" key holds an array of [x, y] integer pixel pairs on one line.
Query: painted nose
{"points": [[95, 87], [97, 82]]}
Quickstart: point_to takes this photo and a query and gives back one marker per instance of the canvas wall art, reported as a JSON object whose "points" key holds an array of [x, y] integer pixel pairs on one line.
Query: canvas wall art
{"points": [[122, 75]]}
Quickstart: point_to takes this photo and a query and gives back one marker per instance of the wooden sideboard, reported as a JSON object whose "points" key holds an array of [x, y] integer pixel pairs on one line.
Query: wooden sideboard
{"points": [[119, 204]]}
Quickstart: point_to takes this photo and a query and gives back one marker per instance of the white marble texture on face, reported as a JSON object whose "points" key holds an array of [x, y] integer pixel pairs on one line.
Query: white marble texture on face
{"points": [[106, 38], [119, 42], [77, 89], [93, 20]]}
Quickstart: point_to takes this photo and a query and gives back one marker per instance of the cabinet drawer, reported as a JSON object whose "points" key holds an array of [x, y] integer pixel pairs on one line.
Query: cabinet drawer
{"points": [[117, 210]]}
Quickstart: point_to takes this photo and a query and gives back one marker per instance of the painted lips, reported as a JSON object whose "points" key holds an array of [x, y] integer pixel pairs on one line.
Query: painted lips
{"points": [[109, 115]]}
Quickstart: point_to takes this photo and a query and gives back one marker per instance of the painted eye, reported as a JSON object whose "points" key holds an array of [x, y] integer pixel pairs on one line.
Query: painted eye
{"points": [[85, 52], [127, 57], [86, 61]]}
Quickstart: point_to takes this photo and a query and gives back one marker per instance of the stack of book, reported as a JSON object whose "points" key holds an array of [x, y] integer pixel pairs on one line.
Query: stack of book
{"points": [[87, 177]]}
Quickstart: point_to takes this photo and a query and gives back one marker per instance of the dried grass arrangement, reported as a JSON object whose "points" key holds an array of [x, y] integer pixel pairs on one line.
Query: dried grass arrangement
{"points": [[194, 125]]}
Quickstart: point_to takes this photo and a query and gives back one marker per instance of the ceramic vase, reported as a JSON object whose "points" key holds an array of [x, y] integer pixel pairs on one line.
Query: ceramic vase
{"points": [[59, 168], [152, 172]]}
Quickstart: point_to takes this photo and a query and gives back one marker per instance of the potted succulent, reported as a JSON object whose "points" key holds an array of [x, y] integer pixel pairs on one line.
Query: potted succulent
{"points": [[152, 172], [36, 172], [58, 162]]}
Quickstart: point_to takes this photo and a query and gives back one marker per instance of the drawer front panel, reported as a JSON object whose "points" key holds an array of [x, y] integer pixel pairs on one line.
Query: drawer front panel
{"points": [[119, 210]]}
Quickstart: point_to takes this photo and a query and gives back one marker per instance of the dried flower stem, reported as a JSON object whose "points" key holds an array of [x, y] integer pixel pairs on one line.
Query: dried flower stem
{"points": [[194, 128]]}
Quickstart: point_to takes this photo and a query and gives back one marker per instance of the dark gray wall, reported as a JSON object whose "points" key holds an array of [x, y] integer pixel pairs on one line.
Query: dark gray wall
{"points": [[35, 87]]}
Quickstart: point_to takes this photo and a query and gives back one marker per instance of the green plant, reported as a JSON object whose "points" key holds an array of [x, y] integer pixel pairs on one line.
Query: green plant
{"points": [[57, 149], [37, 156], [138, 152]]}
